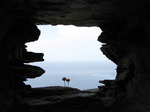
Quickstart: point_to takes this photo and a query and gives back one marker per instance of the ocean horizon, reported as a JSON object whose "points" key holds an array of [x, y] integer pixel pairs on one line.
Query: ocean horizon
{"points": [[82, 75]]}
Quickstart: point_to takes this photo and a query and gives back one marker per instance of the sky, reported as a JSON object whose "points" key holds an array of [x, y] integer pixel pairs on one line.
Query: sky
{"points": [[68, 44]]}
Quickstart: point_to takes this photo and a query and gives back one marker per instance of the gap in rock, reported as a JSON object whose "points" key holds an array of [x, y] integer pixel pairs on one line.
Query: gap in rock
{"points": [[71, 52]]}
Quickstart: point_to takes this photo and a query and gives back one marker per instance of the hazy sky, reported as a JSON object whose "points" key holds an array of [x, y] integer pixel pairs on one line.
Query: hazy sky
{"points": [[68, 43]]}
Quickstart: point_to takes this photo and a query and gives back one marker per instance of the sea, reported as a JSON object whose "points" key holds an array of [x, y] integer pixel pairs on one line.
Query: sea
{"points": [[82, 75]]}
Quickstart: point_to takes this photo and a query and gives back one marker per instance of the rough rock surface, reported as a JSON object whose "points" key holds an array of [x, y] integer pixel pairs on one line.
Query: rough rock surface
{"points": [[58, 99], [125, 33]]}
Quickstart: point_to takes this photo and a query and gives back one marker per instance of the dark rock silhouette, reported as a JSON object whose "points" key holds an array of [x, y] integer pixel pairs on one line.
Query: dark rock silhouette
{"points": [[125, 33]]}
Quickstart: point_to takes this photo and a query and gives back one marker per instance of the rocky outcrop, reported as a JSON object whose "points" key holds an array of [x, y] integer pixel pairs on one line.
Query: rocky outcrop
{"points": [[127, 46], [14, 55], [17, 55], [125, 38], [59, 99]]}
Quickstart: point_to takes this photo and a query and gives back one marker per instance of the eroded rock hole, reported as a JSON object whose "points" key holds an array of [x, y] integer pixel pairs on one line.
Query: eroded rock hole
{"points": [[16, 58], [71, 52]]}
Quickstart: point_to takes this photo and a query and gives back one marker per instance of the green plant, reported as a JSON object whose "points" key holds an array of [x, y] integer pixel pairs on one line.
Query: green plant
{"points": [[68, 80], [64, 79]]}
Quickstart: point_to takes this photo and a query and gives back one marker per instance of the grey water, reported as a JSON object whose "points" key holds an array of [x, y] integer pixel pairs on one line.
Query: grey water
{"points": [[82, 75]]}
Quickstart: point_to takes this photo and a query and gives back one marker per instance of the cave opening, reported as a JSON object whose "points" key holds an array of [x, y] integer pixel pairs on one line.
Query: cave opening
{"points": [[71, 52]]}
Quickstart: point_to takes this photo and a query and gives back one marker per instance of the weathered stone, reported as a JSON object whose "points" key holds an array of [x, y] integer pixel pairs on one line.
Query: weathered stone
{"points": [[125, 33], [58, 99]]}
